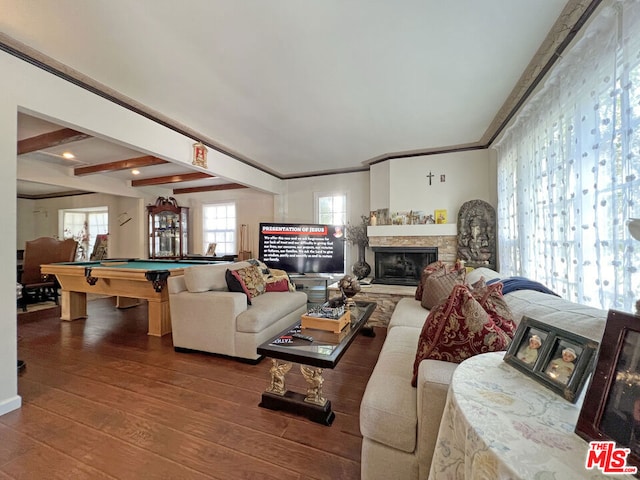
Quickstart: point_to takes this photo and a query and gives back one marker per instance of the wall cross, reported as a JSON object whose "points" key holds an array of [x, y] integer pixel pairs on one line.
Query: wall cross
{"points": [[430, 176]]}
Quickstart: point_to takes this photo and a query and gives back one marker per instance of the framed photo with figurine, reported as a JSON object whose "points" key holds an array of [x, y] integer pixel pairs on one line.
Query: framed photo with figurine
{"points": [[440, 216], [558, 359], [611, 407]]}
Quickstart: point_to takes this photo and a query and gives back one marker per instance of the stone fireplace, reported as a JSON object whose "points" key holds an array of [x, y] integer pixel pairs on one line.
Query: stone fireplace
{"points": [[441, 239], [402, 265]]}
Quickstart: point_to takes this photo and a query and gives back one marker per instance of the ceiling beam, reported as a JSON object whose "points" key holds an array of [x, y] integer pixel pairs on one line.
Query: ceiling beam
{"points": [[51, 139], [184, 177], [138, 162], [210, 188]]}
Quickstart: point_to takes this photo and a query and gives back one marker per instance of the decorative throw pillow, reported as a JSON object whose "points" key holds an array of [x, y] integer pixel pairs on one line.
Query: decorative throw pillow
{"points": [[261, 265], [276, 274], [457, 329], [235, 284], [439, 285], [428, 270], [478, 285], [252, 278], [493, 302], [281, 285]]}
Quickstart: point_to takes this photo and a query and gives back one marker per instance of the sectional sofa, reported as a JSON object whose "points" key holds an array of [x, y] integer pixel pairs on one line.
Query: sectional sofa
{"points": [[399, 423]]}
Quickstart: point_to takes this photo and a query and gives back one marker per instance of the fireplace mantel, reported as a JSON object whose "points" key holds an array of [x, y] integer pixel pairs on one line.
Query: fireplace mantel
{"points": [[442, 230]]}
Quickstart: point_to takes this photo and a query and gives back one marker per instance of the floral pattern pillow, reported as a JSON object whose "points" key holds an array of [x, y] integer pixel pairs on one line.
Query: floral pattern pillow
{"points": [[456, 329], [252, 279]]}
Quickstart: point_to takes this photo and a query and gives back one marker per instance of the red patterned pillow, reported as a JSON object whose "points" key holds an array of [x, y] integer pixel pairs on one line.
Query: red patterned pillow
{"points": [[281, 285], [457, 329], [493, 302], [428, 270]]}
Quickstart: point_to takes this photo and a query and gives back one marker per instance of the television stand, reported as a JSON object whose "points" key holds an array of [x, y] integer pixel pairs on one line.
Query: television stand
{"points": [[314, 286]]}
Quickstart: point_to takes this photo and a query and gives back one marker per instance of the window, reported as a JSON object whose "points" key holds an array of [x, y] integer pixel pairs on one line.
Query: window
{"points": [[569, 174], [331, 209], [83, 225], [219, 225]]}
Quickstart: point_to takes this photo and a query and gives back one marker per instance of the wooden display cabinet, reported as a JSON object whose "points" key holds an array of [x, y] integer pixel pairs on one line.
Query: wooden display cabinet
{"points": [[168, 229]]}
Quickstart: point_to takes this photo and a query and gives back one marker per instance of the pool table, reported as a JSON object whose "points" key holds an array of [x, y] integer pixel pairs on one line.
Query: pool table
{"points": [[128, 279]]}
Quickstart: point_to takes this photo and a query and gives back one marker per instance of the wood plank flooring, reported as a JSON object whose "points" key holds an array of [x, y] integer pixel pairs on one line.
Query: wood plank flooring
{"points": [[102, 400]]}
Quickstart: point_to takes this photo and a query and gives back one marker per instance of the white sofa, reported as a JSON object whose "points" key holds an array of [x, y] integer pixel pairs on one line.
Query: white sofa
{"points": [[207, 317], [399, 423]]}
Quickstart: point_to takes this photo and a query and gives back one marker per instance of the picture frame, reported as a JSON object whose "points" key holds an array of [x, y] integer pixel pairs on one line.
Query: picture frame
{"points": [[560, 360], [211, 249], [440, 216], [612, 398], [100, 247], [383, 216]]}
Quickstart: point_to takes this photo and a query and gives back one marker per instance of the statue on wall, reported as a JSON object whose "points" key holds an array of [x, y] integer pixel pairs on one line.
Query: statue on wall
{"points": [[477, 234]]}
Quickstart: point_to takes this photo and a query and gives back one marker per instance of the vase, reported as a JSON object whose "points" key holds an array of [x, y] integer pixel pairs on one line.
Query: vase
{"points": [[361, 268]]}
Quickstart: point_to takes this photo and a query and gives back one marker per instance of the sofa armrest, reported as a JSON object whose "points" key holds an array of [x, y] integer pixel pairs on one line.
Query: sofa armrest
{"points": [[206, 320], [434, 378]]}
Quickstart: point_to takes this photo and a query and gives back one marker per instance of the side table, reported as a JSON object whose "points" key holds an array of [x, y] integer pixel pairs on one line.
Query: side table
{"points": [[500, 424]]}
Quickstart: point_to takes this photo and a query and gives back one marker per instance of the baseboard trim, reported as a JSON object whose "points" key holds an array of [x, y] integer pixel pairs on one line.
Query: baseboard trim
{"points": [[10, 404]]}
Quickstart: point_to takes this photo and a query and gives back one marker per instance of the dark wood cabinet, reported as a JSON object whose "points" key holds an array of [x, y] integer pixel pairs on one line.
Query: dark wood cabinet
{"points": [[168, 229]]}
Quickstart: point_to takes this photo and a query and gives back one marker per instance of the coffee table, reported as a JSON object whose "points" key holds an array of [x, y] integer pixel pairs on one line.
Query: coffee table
{"points": [[325, 351]]}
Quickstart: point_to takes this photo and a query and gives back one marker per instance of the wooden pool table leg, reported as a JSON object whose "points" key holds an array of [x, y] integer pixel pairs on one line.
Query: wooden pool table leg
{"points": [[159, 318], [73, 305]]}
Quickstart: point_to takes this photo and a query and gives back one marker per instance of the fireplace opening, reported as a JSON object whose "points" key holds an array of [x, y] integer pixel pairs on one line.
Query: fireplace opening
{"points": [[402, 265]]}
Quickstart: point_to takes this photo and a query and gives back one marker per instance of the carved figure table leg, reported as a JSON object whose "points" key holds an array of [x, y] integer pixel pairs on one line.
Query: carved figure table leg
{"points": [[314, 378], [277, 383], [313, 405]]}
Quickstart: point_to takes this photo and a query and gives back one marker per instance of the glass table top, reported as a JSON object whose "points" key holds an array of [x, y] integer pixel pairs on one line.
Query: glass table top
{"points": [[325, 349]]}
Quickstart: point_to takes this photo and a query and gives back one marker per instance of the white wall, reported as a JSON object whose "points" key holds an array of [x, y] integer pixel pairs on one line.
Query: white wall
{"points": [[252, 207], [40, 218], [380, 183], [9, 399], [467, 177], [26, 222], [299, 201]]}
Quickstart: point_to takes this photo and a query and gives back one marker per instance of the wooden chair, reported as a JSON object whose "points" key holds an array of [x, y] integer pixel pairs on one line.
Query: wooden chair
{"points": [[35, 286]]}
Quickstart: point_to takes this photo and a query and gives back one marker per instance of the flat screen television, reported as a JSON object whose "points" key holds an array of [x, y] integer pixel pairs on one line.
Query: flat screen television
{"points": [[302, 247]]}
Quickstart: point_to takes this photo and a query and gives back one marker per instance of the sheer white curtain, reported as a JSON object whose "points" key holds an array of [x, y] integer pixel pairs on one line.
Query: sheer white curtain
{"points": [[569, 169]]}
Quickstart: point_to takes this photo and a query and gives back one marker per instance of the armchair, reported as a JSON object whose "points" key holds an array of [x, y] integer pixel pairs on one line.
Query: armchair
{"points": [[35, 286]]}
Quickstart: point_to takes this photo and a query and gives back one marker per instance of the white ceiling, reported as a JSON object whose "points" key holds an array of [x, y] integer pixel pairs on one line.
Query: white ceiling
{"points": [[299, 87]]}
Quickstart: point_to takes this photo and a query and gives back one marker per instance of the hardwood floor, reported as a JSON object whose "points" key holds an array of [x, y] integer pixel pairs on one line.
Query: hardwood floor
{"points": [[102, 400]]}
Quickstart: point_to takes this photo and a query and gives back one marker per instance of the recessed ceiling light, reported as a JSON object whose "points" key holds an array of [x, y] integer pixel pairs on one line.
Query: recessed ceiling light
{"points": [[135, 171], [68, 155]]}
